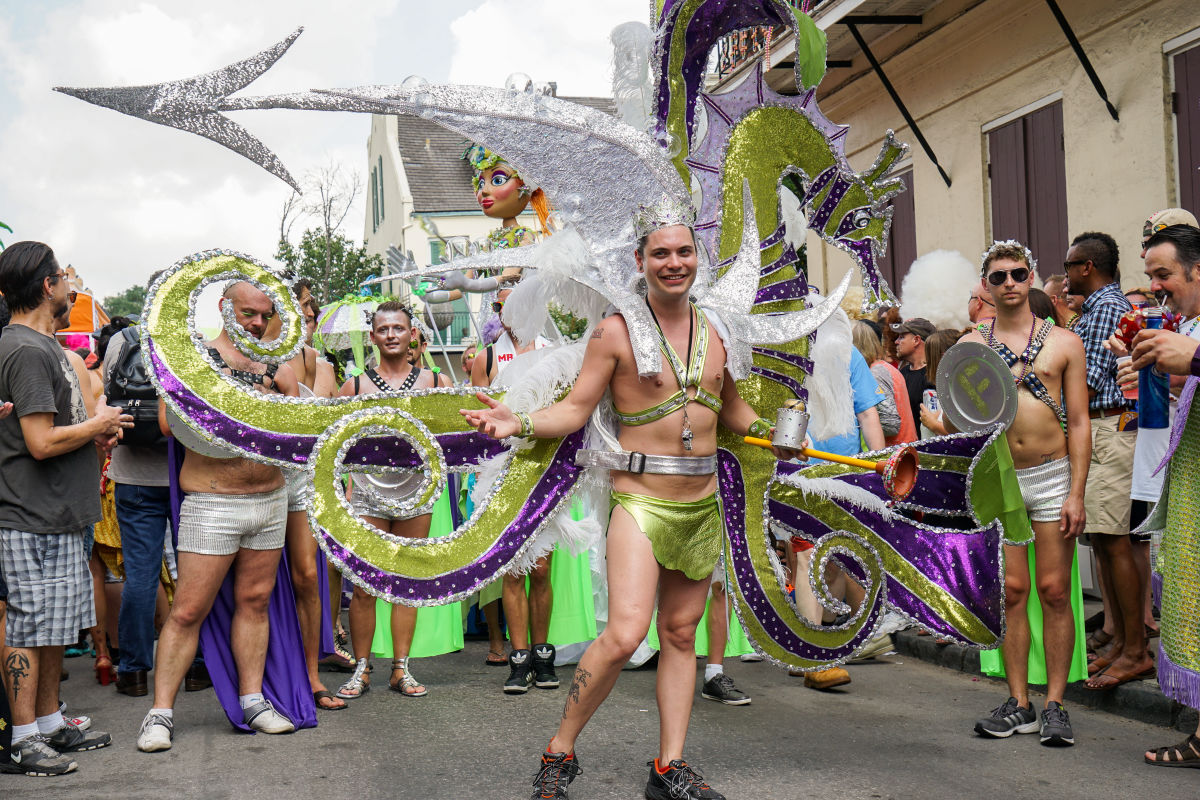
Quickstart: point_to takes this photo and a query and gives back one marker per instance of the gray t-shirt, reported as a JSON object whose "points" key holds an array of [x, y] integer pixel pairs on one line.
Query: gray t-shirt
{"points": [[133, 466], [59, 494]]}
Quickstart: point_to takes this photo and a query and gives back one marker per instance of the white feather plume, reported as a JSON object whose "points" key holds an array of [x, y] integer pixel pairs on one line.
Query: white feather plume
{"points": [[830, 400], [555, 263], [535, 380], [937, 287], [631, 72]]}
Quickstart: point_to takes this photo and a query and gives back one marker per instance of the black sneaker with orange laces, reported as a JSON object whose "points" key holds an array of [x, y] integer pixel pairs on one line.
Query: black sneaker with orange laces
{"points": [[677, 782], [554, 776]]}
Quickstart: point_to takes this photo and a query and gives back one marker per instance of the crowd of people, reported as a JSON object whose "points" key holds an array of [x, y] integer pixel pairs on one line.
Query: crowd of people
{"points": [[133, 568]]}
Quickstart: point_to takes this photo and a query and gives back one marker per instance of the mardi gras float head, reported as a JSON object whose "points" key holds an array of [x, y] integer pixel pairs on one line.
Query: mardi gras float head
{"points": [[730, 159]]}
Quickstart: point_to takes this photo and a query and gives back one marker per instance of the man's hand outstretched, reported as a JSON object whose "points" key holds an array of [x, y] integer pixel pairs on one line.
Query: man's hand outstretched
{"points": [[497, 420]]}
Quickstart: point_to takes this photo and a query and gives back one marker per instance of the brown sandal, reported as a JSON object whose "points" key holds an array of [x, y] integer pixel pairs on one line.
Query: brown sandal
{"points": [[1186, 754]]}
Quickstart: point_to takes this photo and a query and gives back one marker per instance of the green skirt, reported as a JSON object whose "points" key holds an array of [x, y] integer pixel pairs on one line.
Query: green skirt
{"points": [[991, 662], [685, 536], [439, 628]]}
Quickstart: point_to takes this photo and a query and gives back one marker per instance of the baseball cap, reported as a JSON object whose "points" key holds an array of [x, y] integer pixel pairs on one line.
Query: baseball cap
{"points": [[918, 326], [1165, 219]]}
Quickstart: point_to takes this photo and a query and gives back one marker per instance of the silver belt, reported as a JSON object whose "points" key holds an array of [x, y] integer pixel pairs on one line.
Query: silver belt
{"points": [[638, 463]]}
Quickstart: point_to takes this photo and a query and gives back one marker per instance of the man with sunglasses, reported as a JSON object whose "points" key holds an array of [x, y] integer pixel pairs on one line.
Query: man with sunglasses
{"points": [[1051, 443], [531, 663], [1092, 271]]}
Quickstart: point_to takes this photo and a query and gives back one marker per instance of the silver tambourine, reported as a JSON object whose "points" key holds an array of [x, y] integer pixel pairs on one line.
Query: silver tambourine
{"points": [[976, 389]]}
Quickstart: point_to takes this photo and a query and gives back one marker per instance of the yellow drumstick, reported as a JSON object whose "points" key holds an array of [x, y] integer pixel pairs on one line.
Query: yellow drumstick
{"points": [[876, 466]]}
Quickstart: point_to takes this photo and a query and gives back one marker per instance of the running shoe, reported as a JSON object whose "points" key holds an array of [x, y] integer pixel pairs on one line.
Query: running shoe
{"points": [[555, 775], [722, 689], [33, 755], [156, 733], [1007, 719], [70, 739], [678, 782], [1056, 726]]}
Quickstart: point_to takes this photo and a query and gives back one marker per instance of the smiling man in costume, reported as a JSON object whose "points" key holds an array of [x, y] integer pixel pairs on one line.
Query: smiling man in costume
{"points": [[665, 529]]}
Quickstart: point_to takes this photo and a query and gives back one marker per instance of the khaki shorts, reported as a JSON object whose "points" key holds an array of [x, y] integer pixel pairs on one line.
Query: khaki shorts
{"points": [[1110, 478]]}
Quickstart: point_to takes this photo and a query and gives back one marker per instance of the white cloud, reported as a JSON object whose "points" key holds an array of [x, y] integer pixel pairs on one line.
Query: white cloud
{"points": [[549, 40], [118, 197]]}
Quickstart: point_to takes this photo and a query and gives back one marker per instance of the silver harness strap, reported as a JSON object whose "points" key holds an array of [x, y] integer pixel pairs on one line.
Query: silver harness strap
{"points": [[639, 463]]}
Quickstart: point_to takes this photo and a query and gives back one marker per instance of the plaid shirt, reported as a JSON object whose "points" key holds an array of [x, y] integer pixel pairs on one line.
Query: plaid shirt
{"points": [[1097, 321]]}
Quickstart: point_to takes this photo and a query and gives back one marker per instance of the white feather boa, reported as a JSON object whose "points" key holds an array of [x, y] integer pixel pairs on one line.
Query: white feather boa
{"points": [[937, 287], [550, 281], [534, 380], [830, 399]]}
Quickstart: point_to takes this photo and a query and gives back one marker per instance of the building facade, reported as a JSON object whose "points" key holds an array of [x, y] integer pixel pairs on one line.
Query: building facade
{"points": [[1025, 144]]}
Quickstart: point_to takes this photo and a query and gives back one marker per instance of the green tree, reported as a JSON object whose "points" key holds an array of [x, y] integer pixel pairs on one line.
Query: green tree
{"points": [[334, 265], [126, 304]]}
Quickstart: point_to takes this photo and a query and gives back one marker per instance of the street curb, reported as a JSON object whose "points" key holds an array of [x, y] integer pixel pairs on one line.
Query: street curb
{"points": [[1137, 700]]}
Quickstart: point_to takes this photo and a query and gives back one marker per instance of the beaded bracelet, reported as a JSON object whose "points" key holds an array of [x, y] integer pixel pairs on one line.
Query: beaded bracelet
{"points": [[760, 428], [526, 424]]}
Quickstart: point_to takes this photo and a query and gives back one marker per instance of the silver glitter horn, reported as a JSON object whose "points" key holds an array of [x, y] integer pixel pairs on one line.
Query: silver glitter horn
{"points": [[791, 425]]}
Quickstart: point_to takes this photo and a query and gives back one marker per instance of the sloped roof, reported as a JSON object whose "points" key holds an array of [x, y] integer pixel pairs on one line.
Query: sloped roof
{"points": [[438, 177]]}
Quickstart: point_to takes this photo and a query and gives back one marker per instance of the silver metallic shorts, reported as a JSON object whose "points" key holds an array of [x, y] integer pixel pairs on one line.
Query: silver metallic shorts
{"points": [[221, 524], [396, 487], [1044, 488], [296, 481]]}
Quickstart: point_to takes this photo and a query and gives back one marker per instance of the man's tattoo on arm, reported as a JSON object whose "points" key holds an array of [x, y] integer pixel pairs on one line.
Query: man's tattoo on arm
{"points": [[17, 666], [597, 333], [578, 683]]}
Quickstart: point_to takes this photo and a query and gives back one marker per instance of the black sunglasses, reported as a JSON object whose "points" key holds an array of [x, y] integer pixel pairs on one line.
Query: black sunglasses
{"points": [[1019, 275], [1068, 264]]}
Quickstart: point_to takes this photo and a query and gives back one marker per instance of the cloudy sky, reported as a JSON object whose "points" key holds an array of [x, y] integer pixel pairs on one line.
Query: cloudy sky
{"points": [[118, 197]]}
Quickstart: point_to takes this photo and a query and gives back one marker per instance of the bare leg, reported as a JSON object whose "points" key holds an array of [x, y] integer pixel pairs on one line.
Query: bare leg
{"points": [[253, 580], [335, 595], [632, 578], [806, 601], [541, 600], [1016, 637], [1105, 593], [404, 618], [1128, 652], [718, 625], [516, 611], [112, 596], [99, 642], [21, 680], [491, 613], [1141, 557], [680, 606], [1053, 555], [49, 674], [302, 564], [200, 578]]}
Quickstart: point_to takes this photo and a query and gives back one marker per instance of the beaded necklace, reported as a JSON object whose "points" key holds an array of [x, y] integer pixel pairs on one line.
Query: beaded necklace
{"points": [[1026, 361]]}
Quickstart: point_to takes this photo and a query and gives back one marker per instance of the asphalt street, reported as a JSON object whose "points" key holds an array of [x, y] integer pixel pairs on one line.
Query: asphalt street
{"points": [[902, 729]]}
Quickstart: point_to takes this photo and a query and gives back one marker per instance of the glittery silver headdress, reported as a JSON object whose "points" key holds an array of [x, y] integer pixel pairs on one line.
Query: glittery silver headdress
{"points": [[663, 214], [1007, 246]]}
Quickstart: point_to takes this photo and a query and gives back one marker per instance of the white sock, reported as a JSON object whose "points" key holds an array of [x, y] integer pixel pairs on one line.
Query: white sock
{"points": [[51, 722], [248, 700], [20, 732], [169, 713], [713, 670]]}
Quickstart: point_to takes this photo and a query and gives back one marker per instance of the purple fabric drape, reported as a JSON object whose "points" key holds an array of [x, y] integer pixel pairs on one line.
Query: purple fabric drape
{"points": [[285, 678]]}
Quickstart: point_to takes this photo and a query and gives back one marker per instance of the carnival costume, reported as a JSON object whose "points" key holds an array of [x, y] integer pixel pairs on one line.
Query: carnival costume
{"points": [[749, 286]]}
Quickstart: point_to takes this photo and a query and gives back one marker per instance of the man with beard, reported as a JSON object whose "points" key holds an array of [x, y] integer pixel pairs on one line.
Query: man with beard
{"points": [[233, 517], [1051, 443], [47, 454]]}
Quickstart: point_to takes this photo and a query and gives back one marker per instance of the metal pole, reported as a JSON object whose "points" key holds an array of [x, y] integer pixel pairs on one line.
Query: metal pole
{"points": [[1082, 56], [891, 90]]}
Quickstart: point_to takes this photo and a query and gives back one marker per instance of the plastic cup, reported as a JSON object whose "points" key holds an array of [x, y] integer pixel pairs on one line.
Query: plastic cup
{"points": [[1128, 390]]}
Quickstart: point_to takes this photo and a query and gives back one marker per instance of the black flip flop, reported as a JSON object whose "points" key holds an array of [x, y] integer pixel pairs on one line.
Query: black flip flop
{"points": [[317, 697]]}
